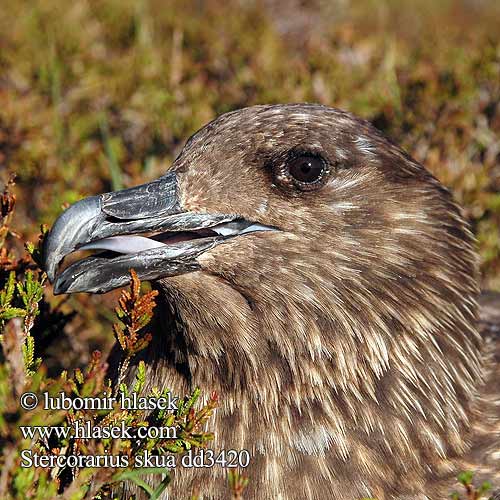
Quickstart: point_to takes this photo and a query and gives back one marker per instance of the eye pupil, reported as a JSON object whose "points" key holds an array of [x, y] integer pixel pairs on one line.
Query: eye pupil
{"points": [[307, 169]]}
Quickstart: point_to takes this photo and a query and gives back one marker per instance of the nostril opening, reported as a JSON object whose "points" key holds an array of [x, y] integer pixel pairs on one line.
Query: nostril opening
{"points": [[116, 220]]}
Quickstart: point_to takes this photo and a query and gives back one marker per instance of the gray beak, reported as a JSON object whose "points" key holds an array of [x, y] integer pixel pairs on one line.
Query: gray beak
{"points": [[144, 228], [105, 222]]}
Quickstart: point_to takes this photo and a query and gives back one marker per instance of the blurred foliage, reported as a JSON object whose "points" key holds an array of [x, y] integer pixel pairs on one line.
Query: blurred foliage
{"points": [[471, 491], [97, 95]]}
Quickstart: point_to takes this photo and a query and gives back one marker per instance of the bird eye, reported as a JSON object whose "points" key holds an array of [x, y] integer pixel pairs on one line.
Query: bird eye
{"points": [[307, 169]]}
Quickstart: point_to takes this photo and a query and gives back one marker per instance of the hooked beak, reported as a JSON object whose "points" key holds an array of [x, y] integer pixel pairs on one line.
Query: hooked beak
{"points": [[111, 223]]}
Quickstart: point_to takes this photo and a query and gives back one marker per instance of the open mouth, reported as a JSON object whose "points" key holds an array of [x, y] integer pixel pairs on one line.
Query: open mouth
{"points": [[128, 244], [94, 243]]}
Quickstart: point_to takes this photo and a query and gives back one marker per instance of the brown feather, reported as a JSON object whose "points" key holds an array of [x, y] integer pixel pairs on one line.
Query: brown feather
{"points": [[346, 348]]}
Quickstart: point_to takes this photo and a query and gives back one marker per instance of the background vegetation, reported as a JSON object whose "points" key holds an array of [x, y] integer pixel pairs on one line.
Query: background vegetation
{"points": [[97, 95]]}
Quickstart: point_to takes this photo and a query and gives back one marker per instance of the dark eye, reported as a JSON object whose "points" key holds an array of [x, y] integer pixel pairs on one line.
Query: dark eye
{"points": [[307, 169]]}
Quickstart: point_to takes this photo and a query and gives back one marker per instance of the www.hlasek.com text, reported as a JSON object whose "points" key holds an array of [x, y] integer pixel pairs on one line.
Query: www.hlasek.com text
{"points": [[83, 429]]}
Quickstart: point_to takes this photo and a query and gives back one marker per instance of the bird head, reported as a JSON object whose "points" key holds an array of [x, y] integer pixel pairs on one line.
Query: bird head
{"points": [[299, 246]]}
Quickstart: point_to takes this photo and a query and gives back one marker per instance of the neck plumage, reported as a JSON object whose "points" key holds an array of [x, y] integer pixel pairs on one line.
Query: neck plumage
{"points": [[408, 376], [349, 387]]}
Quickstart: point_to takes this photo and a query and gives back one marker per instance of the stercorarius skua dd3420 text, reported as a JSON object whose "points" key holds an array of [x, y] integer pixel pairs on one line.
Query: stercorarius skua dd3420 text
{"points": [[325, 284]]}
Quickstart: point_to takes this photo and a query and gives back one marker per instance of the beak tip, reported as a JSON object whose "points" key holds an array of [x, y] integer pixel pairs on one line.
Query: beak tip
{"points": [[72, 223], [48, 259], [63, 284], [58, 286]]}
